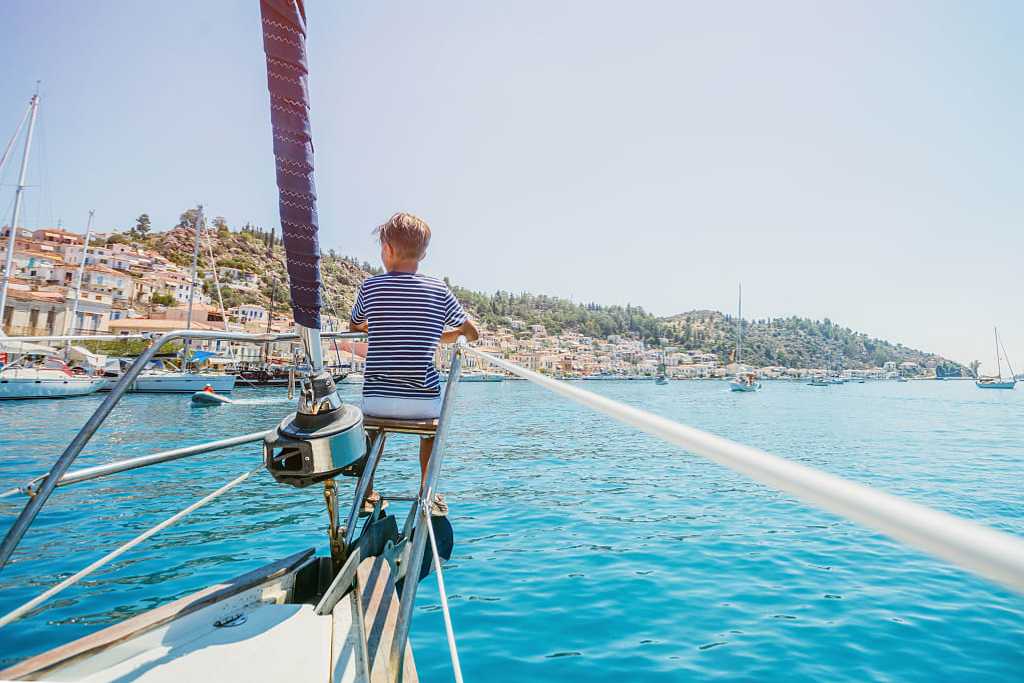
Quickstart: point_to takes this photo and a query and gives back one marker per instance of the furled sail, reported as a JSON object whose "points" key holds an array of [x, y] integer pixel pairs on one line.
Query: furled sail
{"points": [[284, 42]]}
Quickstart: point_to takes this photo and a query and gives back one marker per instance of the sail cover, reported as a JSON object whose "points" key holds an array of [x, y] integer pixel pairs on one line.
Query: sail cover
{"points": [[284, 42]]}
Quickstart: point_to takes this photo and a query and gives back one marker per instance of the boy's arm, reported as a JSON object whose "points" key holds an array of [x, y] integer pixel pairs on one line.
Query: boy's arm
{"points": [[467, 329], [358, 322]]}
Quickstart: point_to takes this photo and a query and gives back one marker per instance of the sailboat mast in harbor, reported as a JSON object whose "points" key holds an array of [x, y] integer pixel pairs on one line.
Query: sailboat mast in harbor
{"points": [[18, 196], [739, 328], [192, 287], [742, 381], [999, 364], [69, 324]]}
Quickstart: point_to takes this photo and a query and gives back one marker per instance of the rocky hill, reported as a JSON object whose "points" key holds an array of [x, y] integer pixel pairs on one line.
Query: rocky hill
{"points": [[253, 250], [790, 342]]}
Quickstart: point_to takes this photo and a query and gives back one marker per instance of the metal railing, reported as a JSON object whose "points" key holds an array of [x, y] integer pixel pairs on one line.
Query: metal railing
{"points": [[995, 555], [413, 559], [107, 469], [60, 468]]}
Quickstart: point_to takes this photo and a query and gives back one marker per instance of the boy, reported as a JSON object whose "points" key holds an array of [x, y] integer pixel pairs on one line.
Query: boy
{"points": [[406, 316]]}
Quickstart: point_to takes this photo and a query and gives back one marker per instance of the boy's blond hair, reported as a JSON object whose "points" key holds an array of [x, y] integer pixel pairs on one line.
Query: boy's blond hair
{"points": [[407, 234]]}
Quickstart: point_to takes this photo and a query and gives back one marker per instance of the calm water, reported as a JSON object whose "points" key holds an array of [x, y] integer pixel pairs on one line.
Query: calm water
{"points": [[583, 550]]}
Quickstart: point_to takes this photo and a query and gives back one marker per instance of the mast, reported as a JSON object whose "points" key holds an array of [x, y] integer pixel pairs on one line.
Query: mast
{"points": [[284, 44], [69, 324], [216, 280], [192, 288], [739, 334], [999, 363], [1013, 375], [34, 107]]}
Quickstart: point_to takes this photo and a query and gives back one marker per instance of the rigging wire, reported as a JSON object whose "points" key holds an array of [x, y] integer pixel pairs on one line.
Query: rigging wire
{"points": [[216, 280], [453, 651]]}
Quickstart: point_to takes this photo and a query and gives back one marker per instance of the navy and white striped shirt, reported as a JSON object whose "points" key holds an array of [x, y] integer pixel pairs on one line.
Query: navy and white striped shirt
{"points": [[406, 313]]}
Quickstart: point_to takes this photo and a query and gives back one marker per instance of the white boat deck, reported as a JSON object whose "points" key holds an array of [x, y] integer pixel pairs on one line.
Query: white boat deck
{"points": [[246, 630]]}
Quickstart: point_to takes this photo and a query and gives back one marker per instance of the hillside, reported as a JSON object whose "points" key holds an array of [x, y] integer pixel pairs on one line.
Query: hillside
{"points": [[789, 342], [252, 250]]}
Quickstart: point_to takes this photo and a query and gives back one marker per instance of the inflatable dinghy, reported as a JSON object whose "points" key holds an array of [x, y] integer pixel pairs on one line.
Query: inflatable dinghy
{"points": [[207, 397]]}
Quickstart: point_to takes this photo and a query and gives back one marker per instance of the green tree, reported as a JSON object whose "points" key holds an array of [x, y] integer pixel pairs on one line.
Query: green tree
{"points": [[187, 220], [221, 227], [142, 227]]}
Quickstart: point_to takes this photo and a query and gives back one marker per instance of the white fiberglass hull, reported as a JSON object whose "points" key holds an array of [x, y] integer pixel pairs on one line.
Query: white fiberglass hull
{"points": [[180, 383], [29, 384]]}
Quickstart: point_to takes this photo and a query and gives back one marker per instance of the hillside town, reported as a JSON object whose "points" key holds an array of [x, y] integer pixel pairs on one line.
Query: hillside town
{"points": [[128, 288], [572, 355]]}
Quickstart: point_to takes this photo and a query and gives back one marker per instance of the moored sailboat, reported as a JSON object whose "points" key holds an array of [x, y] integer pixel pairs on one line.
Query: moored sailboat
{"points": [[743, 381], [999, 382]]}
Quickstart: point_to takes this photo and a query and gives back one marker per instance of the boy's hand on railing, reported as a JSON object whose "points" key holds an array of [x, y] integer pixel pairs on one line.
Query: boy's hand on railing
{"points": [[467, 329]]}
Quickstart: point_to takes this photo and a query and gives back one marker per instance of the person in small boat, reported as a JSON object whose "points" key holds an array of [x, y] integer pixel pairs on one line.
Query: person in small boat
{"points": [[406, 315]]}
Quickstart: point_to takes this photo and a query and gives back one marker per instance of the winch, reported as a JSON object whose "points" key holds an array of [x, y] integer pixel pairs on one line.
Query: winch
{"points": [[306, 449]]}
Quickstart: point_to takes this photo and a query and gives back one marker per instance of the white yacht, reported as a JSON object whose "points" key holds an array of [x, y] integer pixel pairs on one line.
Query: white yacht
{"points": [[34, 371], [173, 382], [45, 382]]}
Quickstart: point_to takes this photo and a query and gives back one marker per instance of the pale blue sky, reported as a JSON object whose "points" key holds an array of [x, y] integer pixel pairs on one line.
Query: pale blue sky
{"points": [[859, 161]]}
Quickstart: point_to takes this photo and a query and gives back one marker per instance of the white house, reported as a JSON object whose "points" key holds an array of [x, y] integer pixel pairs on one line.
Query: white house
{"points": [[250, 314]]}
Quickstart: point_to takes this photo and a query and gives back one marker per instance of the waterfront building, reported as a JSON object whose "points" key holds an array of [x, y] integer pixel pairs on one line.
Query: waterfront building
{"points": [[37, 312]]}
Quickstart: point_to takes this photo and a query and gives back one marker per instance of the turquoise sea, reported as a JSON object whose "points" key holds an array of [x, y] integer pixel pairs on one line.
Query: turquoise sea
{"points": [[583, 550]]}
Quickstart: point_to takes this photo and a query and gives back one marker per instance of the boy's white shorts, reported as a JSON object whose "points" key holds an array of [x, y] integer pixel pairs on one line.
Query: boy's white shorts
{"points": [[402, 408]]}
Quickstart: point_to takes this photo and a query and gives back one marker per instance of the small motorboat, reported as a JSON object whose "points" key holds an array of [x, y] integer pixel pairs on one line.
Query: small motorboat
{"points": [[208, 397], [745, 383]]}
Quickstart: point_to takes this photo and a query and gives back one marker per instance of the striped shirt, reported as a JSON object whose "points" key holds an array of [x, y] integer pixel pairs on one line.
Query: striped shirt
{"points": [[406, 313]]}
